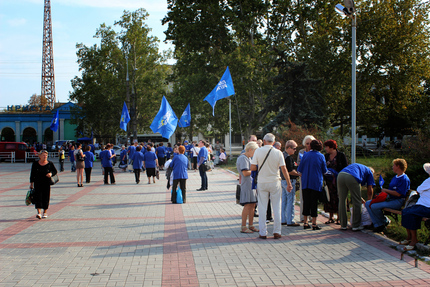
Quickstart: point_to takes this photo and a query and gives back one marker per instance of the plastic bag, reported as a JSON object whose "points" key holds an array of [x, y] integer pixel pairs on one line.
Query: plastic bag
{"points": [[179, 199]]}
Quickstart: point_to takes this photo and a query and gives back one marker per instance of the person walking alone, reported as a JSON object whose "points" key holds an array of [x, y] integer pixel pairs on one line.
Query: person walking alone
{"points": [[201, 166]]}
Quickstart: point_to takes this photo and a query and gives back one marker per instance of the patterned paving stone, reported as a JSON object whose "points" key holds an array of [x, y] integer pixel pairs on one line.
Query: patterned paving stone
{"points": [[131, 235]]}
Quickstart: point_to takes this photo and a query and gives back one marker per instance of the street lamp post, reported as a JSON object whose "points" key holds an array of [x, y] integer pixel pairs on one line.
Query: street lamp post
{"points": [[349, 11], [128, 97]]}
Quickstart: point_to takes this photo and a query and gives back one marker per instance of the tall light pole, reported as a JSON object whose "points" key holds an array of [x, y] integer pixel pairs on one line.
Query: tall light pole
{"points": [[349, 11], [128, 97]]}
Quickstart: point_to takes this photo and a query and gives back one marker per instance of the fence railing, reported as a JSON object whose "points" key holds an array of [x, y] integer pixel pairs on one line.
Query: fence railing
{"points": [[7, 156]]}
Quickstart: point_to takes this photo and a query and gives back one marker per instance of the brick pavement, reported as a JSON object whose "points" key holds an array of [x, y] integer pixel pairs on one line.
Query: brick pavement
{"points": [[131, 235]]}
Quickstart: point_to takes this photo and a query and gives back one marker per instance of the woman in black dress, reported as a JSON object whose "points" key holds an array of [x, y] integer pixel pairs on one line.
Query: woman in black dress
{"points": [[336, 161], [40, 181]]}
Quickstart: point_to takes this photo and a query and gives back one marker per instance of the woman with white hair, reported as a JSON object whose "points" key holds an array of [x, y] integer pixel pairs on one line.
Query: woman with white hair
{"points": [[412, 216], [248, 196], [307, 144]]}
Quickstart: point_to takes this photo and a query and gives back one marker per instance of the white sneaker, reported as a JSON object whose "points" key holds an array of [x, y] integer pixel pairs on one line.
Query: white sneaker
{"points": [[357, 228]]}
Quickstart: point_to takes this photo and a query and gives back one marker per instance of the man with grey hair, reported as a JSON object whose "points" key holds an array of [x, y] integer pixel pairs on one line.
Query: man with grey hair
{"points": [[267, 160]]}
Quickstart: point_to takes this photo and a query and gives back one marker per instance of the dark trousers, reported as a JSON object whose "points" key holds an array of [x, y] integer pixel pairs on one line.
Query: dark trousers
{"points": [[88, 174], [310, 202], [109, 171], [61, 164], [195, 163], [137, 174], [203, 176], [182, 184]]}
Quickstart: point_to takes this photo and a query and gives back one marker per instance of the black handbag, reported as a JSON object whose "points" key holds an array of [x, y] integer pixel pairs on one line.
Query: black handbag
{"points": [[54, 179], [324, 196]]}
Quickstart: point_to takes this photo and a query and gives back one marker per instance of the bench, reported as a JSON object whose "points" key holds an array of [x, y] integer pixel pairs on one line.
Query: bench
{"points": [[394, 213]]}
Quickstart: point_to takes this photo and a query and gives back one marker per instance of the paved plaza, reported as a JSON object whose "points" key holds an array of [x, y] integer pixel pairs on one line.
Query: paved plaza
{"points": [[131, 235]]}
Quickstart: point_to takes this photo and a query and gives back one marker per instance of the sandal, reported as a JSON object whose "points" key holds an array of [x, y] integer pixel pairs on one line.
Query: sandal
{"points": [[252, 228], [405, 242], [39, 216], [329, 221], [306, 226], [408, 248], [245, 230]]}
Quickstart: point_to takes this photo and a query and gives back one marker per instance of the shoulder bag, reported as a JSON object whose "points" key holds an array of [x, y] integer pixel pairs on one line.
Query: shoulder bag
{"points": [[256, 177]]}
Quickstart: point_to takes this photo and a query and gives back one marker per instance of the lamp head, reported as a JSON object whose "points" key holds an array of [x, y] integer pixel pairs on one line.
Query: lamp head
{"points": [[350, 6]]}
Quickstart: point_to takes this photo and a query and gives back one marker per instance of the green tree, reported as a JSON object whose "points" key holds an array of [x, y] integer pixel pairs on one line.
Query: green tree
{"points": [[101, 90]]}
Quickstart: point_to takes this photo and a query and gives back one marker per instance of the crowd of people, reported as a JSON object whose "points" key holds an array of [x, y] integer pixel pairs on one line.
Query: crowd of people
{"points": [[268, 177]]}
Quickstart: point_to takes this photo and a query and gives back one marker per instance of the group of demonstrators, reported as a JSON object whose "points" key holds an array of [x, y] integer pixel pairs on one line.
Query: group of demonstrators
{"points": [[268, 179]]}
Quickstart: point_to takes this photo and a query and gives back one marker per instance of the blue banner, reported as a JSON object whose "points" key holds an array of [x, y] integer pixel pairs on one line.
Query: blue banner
{"points": [[185, 119], [55, 122], [223, 89], [165, 121], [125, 118]]}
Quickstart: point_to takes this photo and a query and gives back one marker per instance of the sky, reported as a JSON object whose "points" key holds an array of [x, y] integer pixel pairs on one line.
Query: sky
{"points": [[73, 21]]}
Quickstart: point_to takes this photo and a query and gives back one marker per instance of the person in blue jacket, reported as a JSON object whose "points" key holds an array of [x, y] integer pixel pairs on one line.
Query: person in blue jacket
{"points": [[350, 179], [201, 160], [106, 157], [150, 163], [89, 159], [311, 170], [169, 150], [161, 155], [137, 163], [180, 174], [399, 186]]}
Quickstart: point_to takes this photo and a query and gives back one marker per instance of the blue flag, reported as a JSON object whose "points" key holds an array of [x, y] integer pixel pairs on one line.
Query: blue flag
{"points": [[165, 121], [185, 119], [55, 122], [125, 118], [381, 181], [222, 90]]}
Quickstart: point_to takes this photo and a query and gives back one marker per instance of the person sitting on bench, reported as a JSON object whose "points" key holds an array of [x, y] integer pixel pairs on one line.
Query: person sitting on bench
{"points": [[395, 199], [413, 215]]}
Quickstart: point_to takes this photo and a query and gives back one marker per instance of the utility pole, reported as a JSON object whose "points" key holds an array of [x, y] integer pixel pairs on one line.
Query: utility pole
{"points": [[127, 97], [48, 79]]}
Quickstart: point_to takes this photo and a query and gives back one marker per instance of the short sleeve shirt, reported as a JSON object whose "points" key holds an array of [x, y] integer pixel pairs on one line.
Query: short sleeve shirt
{"points": [[270, 170], [361, 173]]}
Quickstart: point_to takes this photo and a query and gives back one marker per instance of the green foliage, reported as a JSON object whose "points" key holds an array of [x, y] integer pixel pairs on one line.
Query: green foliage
{"points": [[101, 90]]}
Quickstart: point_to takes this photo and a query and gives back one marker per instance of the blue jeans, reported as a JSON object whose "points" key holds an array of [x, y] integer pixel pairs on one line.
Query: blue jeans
{"points": [[376, 213], [288, 199]]}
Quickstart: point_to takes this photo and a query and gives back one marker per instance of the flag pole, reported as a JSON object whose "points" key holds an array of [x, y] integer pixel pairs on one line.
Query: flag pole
{"points": [[229, 116]]}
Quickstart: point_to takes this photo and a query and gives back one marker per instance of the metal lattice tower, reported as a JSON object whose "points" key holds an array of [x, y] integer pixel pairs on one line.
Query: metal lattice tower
{"points": [[48, 79]]}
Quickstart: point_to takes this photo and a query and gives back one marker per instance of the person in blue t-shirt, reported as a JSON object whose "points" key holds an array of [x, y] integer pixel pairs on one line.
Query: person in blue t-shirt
{"points": [[89, 158], [106, 157], [399, 186], [201, 160], [188, 152], [169, 151], [137, 158], [161, 155], [349, 179], [180, 174], [131, 149], [150, 162]]}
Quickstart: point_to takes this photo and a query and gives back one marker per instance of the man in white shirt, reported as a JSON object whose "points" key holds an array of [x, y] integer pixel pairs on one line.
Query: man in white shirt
{"points": [[269, 183]]}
